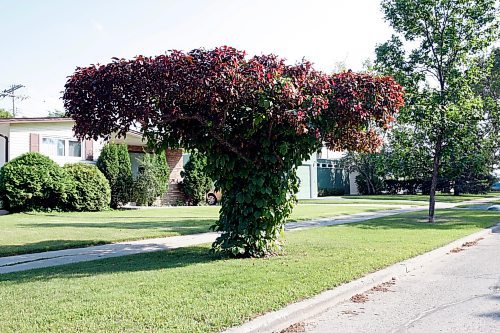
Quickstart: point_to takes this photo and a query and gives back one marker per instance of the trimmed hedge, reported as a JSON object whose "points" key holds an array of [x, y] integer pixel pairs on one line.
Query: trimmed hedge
{"points": [[33, 181], [92, 191]]}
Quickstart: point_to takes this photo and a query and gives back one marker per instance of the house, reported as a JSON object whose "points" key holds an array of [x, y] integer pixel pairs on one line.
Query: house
{"points": [[333, 178], [55, 138]]}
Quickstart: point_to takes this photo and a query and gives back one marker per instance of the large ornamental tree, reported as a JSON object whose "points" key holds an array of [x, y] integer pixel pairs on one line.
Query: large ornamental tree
{"points": [[255, 119]]}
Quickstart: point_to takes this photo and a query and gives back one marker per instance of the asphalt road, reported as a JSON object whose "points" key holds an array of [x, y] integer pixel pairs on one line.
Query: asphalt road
{"points": [[457, 292]]}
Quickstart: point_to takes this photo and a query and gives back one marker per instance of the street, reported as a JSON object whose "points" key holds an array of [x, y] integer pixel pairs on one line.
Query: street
{"points": [[457, 292]]}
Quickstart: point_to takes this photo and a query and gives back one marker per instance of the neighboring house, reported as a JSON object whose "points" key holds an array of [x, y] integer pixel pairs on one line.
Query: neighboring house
{"points": [[54, 137], [307, 173], [332, 176]]}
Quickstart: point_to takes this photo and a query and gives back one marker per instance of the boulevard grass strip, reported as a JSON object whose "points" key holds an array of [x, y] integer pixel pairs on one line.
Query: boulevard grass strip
{"points": [[343, 201], [188, 290]]}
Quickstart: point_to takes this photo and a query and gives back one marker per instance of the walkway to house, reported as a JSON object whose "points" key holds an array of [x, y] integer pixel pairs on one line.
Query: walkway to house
{"points": [[55, 258]]}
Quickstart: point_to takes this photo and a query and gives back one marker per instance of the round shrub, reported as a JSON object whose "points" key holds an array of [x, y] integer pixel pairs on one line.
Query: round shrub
{"points": [[33, 181], [92, 191]]}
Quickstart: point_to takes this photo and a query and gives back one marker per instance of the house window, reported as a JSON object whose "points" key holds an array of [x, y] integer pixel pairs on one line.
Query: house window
{"points": [[75, 148], [53, 147], [61, 147]]}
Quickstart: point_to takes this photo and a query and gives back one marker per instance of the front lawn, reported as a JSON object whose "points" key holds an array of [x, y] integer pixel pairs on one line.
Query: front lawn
{"points": [[187, 290], [38, 232]]}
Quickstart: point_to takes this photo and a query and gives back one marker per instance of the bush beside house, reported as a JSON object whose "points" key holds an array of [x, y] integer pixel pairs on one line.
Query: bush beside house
{"points": [[92, 191], [152, 180], [114, 163], [33, 181], [195, 183]]}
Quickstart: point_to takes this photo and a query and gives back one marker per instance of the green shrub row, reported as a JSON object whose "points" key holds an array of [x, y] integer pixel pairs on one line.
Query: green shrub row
{"points": [[33, 182]]}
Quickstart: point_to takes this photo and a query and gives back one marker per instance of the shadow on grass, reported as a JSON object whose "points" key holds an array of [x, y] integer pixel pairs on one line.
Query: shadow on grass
{"points": [[89, 215], [183, 227], [163, 229], [162, 260], [49, 245]]}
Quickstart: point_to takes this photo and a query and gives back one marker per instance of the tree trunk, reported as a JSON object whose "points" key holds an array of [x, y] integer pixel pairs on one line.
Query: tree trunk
{"points": [[435, 172], [255, 205]]}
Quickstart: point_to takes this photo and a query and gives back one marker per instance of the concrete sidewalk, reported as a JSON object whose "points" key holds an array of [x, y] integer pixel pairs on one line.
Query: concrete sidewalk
{"points": [[55, 258]]}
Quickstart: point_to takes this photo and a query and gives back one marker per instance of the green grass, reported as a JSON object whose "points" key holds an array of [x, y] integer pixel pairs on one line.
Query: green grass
{"points": [[418, 197], [368, 201], [187, 290], [490, 203], [38, 232]]}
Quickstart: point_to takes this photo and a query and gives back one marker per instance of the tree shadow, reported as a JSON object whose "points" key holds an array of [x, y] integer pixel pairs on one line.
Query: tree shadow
{"points": [[161, 260], [47, 245], [183, 227]]}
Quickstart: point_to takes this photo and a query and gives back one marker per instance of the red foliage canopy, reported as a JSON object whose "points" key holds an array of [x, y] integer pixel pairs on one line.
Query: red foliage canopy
{"points": [[223, 97]]}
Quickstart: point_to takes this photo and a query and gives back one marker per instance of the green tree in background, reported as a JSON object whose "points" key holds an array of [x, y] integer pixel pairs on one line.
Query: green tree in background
{"points": [[370, 168], [5, 114], [437, 69]]}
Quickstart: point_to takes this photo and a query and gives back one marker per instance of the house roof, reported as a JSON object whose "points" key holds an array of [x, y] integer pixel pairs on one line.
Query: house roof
{"points": [[51, 120], [35, 120]]}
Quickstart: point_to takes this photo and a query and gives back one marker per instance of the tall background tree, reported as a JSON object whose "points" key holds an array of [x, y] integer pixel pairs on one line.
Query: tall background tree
{"points": [[255, 119], [436, 65]]}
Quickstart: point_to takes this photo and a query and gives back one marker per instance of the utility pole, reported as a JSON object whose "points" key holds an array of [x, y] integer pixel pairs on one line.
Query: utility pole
{"points": [[10, 93]]}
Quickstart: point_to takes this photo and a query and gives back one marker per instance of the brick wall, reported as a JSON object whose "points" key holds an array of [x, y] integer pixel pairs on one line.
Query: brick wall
{"points": [[176, 165]]}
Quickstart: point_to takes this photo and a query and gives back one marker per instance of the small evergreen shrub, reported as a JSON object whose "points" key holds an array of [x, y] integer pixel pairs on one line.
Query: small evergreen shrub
{"points": [[114, 163], [33, 181], [152, 180], [196, 183], [92, 191]]}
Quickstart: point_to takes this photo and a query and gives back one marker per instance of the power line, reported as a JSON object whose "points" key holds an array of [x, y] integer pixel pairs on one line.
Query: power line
{"points": [[9, 92]]}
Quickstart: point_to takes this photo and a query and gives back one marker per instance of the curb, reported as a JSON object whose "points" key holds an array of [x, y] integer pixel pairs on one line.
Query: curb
{"points": [[296, 312]]}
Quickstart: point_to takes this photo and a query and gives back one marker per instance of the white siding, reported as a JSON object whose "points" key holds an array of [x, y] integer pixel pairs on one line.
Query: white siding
{"points": [[20, 138], [330, 154]]}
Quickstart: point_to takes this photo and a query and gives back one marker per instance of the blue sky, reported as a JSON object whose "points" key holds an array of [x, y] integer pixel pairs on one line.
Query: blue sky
{"points": [[42, 42]]}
